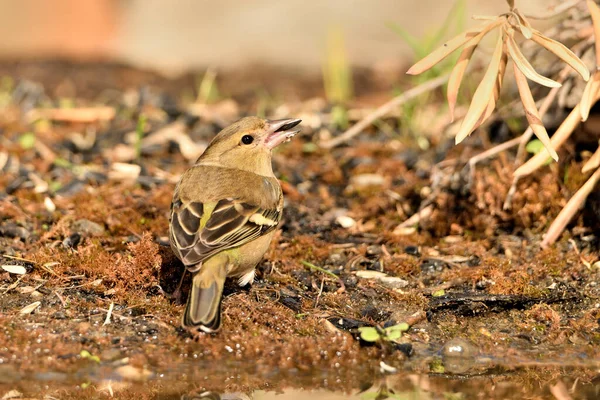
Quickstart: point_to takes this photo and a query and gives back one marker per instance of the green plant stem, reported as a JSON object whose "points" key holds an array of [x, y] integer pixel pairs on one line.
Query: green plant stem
{"points": [[324, 271]]}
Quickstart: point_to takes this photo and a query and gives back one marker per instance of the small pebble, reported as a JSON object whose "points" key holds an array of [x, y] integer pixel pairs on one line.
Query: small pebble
{"points": [[345, 221], [88, 227], [366, 180], [72, 241]]}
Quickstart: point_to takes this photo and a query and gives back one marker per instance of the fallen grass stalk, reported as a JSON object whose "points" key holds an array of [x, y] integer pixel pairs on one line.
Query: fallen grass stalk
{"points": [[384, 109], [566, 214], [109, 314]]}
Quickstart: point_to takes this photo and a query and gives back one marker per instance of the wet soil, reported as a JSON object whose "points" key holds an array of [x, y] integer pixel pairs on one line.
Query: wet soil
{"points": [[83, 244]]}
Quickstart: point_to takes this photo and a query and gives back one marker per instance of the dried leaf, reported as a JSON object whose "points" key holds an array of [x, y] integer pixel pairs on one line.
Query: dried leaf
{"points": [[459, 71], [524, 24], [561, 51], [593, 162], [74, 115], [531, 111], [492, 103], [369, 274], [560, 136], [450, 46], [14, 269], [29, 308], [131, 373], [589, 95], [595, 14], [482, 96], [566, 214], [523, 64], [511, 4]]}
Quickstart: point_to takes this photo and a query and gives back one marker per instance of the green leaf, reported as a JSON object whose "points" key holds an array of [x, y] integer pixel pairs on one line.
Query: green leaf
{"points": [[393, 334], [369, 334], [437, 366], [438, 293], [89, 356], [402, 327], [27, 140], [536, 146], [61, 162]]}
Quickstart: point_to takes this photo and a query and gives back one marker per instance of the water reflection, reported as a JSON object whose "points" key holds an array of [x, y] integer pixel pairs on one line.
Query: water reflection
{"points": [[449, 382]]}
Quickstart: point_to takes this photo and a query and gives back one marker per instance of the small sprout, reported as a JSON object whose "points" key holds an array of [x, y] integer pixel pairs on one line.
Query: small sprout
{"points": [[339, 116], [390, 334], [437, 366], [337, 74], [27, 140], [369, 334], [61, 162], [535, 147], [208, 92], [89, 356], [139, 134], [309, 147]]}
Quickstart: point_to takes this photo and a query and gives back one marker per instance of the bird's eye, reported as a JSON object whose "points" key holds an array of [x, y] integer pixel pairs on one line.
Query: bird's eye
{"points": [[247, 139]]}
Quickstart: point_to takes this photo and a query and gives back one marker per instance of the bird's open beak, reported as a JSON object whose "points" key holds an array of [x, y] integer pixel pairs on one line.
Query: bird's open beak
{"points": [[281, 131]]}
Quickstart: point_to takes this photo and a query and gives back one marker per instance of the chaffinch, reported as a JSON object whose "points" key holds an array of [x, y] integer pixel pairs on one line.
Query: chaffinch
{"points": [[225, 210]]}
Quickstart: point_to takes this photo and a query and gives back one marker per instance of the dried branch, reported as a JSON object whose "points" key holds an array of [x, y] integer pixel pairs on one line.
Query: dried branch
{"points": [[568, 212], [384, 109]]}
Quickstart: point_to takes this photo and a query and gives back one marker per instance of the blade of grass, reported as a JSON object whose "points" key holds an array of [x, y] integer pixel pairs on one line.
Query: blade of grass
{"points": [[531, 111], [456, 12], [595, 14], [409, 39], [483, 94], [523, 64], [589, 94], [562, 52], [569, 210], [450, 46]]}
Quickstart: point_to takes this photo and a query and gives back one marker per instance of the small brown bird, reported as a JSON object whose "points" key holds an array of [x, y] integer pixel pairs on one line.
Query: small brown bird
{"points": [[224, 212]]}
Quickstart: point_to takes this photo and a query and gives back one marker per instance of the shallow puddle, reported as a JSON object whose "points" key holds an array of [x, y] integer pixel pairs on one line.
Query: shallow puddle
{"points": [[209, 382]]}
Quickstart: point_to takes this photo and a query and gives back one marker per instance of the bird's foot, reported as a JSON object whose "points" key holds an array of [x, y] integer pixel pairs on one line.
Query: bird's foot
{"points": [[176, 295]]}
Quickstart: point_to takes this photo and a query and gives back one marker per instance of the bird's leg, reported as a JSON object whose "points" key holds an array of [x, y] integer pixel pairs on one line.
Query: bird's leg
{"points": [[176, 295]]}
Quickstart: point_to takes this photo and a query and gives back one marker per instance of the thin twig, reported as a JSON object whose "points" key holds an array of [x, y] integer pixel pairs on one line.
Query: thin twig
{"points": [[109, 314], [490, 153], [384, 109], [556, 10], [323, 270], [319, 294]]}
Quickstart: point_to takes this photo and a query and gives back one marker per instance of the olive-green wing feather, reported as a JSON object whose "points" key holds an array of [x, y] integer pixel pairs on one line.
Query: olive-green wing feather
{"points": [[198, 230]]}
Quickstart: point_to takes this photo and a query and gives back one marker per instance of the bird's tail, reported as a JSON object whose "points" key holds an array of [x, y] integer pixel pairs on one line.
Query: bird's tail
{"points": [[203, 309]]}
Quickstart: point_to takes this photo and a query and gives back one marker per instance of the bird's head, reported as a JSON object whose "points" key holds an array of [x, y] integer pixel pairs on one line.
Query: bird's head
{"points": [[247, 144]]}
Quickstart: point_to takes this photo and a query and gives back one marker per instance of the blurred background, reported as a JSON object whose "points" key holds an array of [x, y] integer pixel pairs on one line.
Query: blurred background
{"points": [[186, 34]]}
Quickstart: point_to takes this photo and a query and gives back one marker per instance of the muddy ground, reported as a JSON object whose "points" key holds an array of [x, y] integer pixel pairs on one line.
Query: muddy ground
{"points": [[84, 201]]}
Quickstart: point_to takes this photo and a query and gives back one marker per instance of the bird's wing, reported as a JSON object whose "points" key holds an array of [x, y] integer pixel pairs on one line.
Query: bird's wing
{"points": [[199, 230]]}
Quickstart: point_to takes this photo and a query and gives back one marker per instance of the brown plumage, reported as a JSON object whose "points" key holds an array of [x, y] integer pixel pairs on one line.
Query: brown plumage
{"points": [[224, 212]]}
